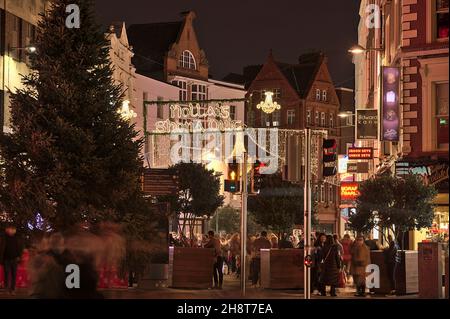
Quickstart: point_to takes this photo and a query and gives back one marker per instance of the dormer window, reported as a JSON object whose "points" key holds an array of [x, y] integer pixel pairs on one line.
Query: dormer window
{"points": [[187, 60]]}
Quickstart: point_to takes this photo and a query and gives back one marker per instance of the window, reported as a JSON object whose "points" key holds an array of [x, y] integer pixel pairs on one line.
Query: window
{"points": [[13, 35], [198, 92], [183, 89], [291, 117], [318, 95], [441, 115], [233, 112], [349, 120], [276, 117], [442, 19], [322, 193], [331, 119], [323, 120], [160, 108], [265, 119], [308, 117], [317, 118], [187, 61], [324, 95], [276, 94], [331, 197]]}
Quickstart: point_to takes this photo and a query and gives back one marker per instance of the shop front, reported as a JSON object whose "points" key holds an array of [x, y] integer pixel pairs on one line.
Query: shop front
{"points": [[433, 173]]}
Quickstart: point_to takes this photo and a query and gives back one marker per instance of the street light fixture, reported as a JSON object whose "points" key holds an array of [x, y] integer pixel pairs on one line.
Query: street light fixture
{"points": [[346, 114], [358, 49]]}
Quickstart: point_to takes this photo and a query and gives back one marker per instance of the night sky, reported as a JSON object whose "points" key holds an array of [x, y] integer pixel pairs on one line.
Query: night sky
{"points": [[235, 33]]}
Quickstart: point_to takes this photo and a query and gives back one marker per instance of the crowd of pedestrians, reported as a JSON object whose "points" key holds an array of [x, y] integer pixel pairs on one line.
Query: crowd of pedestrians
{"points": [[336, 261]]}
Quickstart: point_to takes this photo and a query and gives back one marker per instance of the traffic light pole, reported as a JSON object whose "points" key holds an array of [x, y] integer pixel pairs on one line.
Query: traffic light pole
{"points": [[307, 213], [244, 194]]}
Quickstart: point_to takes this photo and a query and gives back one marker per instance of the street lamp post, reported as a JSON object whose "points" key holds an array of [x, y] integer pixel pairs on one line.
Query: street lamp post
{"points": [[244, 195]]}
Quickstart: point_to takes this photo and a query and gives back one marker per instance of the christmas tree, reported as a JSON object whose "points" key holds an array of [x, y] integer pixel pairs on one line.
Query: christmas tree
{"points": [[70, 158]]}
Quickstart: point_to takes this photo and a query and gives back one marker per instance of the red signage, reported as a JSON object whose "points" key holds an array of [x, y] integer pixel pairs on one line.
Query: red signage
{"points": [[360, 153], [349, 191]]}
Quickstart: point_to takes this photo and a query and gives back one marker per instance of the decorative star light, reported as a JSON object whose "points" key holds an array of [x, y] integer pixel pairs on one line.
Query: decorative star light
{"points": [[268, 106], [125, 112]]}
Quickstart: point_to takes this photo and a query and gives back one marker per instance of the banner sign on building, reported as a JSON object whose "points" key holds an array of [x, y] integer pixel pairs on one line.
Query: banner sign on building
{"points": [[390, 124], [360, 153], [349, 191], [367, 124]]}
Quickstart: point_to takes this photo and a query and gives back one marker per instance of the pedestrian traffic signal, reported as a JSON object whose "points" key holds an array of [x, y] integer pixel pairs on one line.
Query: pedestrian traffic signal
{"points": [[329, 158], [232, 183], [257, 177], [308, 261]]}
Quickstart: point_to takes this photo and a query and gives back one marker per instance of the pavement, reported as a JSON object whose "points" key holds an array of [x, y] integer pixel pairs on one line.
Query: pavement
{"points": [[231, 290]]}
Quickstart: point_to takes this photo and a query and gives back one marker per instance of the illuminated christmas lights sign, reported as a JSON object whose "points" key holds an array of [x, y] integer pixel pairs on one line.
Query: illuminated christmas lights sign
{"points": [[197, 117]]}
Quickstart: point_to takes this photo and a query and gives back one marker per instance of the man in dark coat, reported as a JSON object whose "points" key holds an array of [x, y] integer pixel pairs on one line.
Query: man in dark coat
{"points": [[10, 253], [330, 267], [392, 258]]}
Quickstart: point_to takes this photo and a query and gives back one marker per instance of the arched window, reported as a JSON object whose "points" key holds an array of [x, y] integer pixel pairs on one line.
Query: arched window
{"points": [[187, 60]]}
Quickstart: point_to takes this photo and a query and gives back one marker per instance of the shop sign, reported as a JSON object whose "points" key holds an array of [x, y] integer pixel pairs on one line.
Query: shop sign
{"points": [[432, 174], [358, 168], [360, 153], [390, 124], [349, 191], [367, 124]]}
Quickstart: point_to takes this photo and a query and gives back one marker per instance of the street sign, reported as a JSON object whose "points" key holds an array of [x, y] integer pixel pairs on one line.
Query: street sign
{"points": [[160, 182]]}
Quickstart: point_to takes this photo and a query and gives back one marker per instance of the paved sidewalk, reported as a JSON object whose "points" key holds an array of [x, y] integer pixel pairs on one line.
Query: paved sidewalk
{"points": [[231, 291]]}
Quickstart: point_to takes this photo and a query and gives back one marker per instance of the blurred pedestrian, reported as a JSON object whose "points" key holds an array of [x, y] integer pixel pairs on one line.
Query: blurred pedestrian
{"points": [[10, 254], [260, 243], [347, 243], [360, 253], [392, 258], [317, 259], [214, 243], [330, 267]]}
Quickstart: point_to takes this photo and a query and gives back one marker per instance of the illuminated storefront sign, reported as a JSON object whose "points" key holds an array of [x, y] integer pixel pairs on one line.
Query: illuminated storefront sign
{"points": [[391, 101], [199, 118], [360, 153], [367, 124], [349, 191]]}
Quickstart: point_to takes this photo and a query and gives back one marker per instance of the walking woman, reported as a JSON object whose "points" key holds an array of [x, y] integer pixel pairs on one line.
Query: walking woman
{"points": [[331, 266], [347, 244], [360, 260]]}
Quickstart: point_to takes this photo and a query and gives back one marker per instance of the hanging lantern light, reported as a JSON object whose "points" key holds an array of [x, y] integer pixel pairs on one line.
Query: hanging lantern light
{"points": [[268, 106], [125, 112]]}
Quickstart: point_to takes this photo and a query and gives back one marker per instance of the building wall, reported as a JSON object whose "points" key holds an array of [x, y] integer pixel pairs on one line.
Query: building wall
{"points": [[187, 41], [120, 55], [20, 15]]}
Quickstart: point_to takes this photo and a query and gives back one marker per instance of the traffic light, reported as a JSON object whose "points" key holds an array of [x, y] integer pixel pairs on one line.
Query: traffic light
{"points": [[257, 177], [329, 158], [308, 261], [232, 183]]}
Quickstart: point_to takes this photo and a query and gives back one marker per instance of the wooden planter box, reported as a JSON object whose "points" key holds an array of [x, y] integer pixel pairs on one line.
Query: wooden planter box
{"points": [[282, 269], [156, 276], [407, 275], [191, 267]]}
